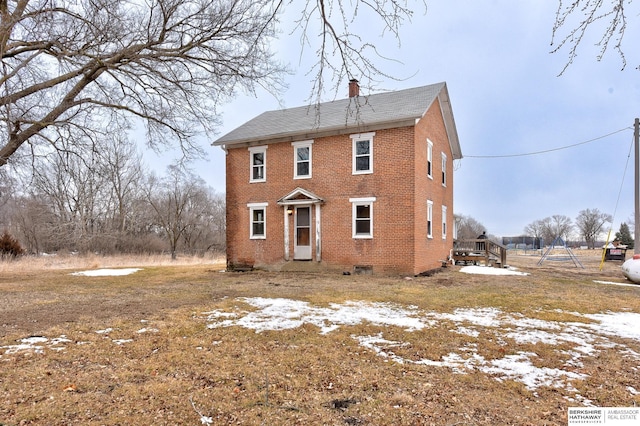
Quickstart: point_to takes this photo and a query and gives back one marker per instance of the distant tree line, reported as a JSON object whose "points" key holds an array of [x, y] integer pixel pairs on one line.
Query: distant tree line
{"points": [[104, 200], [589, 228], [467, 228]]}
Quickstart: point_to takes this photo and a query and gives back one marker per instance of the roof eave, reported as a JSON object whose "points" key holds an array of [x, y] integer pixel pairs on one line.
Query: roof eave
{"points": [[319, 133], [450, 123]]}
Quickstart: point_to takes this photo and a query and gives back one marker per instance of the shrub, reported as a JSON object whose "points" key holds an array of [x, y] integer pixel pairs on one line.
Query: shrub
{"points": [[9, 246]]}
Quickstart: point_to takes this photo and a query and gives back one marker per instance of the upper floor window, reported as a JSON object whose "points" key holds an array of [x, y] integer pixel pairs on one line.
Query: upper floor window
{"points": [[429, 159], [362, 217], [302, 159], [362, 153], [258, 163], [258, 225], [444, 169]]}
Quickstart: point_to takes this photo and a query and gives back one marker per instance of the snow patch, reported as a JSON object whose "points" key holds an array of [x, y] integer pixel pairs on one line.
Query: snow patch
{"points": [[487, 270], [508, 329], [107, 272], [617, 283]]}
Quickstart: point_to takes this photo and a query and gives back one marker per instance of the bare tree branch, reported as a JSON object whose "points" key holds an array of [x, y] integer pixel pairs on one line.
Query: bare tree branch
{"points": [[169, 63], [578, 16]]}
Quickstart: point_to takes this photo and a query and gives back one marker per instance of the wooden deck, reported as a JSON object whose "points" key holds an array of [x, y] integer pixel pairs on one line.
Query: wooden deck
{"points": [[479, 251]]}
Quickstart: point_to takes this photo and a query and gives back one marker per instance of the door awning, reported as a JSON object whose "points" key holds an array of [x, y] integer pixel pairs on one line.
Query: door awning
{"points": [[300, 196]]}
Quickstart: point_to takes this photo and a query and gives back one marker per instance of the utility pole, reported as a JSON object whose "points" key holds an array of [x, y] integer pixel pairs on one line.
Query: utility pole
{"points": [[636, 232]]}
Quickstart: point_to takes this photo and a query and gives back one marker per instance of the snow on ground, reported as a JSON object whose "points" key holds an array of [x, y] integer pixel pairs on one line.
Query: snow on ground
{"points": [[107, 272], [38, 344], [582, 338], [486, 270], [627, 284], [578, 339]]}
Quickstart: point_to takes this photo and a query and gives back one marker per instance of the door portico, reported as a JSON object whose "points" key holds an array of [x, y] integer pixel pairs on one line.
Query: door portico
{"points": [[302, 212]]}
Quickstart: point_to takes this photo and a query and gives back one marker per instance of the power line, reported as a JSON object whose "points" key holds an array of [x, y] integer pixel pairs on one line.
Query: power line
{"points": [[549, 150]]}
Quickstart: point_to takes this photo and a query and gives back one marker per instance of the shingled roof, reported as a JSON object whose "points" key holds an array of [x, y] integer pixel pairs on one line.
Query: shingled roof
{"points": [[352, 115]]}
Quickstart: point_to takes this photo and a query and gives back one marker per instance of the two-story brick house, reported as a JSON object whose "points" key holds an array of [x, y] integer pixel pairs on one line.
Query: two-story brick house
{"points": [[359, 183]]}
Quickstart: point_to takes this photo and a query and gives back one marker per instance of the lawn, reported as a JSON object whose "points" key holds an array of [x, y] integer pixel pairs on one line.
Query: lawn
{"points": [[187, 343]]}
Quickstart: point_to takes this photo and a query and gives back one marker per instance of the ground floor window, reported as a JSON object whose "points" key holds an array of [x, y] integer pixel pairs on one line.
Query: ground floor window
{"points": [[362, 217], [444, 222], [257, 216], [429, 219]]}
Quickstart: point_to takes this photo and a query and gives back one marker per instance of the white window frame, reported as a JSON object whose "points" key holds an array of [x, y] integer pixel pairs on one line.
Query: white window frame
{"points": [[444, 169], [360, 137], [258, 150], [444, 222], [429, 219], [252, 208], [296, 146], [429, 159], [355, 203]]}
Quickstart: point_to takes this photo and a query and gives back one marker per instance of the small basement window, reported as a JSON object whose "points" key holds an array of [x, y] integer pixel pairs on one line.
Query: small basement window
{"points": [[363, 270]]}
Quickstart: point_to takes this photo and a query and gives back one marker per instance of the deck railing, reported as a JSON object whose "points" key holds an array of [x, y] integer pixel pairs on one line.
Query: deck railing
{"points": [[491, 253]]}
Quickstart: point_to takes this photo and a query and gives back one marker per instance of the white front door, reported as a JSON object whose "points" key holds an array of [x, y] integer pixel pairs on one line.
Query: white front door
{"points": [[302, 236]]}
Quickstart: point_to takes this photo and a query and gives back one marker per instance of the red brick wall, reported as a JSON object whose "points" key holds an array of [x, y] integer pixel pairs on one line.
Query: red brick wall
{"points": [[398, 182], [430, 251]]}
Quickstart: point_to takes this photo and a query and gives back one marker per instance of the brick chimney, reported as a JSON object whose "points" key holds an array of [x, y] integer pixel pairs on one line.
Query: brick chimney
{"points": [[354, 88]]}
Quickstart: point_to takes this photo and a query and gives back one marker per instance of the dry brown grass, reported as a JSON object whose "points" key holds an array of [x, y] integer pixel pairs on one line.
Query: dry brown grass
{"points": [[95, 261], [298, 376]]}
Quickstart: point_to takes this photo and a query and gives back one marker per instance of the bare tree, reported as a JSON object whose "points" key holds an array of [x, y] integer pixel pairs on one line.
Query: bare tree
{"points": [[341, 52], [6, 189], [206, 221], [467, 227], [76, 190], [556, 226], [181, 206], [590, 222], [36, 225], [574, 18], [219, 221], [122, 167], [535, 229], [71, 66]]}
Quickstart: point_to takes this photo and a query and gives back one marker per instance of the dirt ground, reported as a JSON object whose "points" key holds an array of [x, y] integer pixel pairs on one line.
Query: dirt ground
{"points": [[182, 372], [33, 300]]}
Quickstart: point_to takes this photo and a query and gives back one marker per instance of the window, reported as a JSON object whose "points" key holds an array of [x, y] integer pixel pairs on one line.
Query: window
{"points": [[429, 219], [444, 222], [362, 217], [444, 169], [362, 153], [258, 225], [302, 159], [258, 164], [429, 159]]}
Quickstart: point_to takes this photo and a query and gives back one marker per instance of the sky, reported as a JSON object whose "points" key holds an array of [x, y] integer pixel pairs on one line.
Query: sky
{"points": [[508, 98]]}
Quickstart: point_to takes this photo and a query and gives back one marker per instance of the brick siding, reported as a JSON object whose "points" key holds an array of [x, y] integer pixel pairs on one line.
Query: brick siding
{"points": [[399, 184]]}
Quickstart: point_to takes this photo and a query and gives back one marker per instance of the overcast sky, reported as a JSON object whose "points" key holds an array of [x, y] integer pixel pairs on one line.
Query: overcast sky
{"points": [[507, 99]]}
